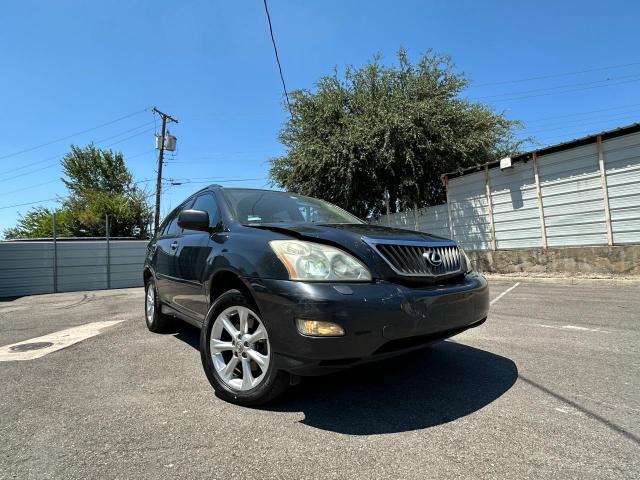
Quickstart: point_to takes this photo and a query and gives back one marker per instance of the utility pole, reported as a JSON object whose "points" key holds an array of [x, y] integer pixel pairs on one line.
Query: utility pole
{"points": [[164, 117]]}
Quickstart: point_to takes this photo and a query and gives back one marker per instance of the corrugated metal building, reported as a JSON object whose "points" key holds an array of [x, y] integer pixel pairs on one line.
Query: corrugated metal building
{"points": [[582, 192]]}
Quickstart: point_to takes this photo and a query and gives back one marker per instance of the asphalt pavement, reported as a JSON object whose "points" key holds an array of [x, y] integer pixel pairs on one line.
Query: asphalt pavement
{"points": [[548, 387]]}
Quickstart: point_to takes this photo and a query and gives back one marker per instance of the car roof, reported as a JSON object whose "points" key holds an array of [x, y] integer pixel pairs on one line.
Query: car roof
{"points": [[215, 186]]}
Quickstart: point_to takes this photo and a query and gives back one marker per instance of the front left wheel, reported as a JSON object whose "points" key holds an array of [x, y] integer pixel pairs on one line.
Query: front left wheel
{"points": [[236, 352]]}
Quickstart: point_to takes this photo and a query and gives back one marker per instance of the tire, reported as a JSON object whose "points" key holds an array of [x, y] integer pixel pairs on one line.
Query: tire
{"points": [[156, 321], [241, 372]]}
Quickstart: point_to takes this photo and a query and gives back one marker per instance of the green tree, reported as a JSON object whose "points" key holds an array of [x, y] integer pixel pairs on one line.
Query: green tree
{"points": [[395, 128], [99, 184], [38, 223], [93, 169]]}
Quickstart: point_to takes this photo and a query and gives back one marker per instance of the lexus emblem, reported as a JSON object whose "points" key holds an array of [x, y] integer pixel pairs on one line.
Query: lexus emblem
{"points": [[433, 258]]}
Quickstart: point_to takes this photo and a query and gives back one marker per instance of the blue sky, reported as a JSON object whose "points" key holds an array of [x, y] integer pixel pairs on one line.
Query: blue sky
{"points": [[68, 66]]}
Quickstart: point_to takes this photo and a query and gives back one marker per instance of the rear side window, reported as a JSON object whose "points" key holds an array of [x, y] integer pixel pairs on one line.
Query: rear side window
{"points": [[208, 203]]}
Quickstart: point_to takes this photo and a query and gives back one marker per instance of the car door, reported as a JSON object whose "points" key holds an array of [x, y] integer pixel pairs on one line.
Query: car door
{"points": [[194, 248], [165, 248]]}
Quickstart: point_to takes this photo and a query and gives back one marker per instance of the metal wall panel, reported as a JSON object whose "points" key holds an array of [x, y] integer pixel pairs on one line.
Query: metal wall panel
{"points": [[82, 266], [516, 216], [434, 220], [622, 165], [404, 220], [469, 213], [127, 260], [572, 197], [27, 268]]}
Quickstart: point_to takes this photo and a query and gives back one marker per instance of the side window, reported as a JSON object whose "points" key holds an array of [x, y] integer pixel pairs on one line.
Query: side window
{"points": [[171, 224], [208, 203], [164, 227], [172, 227]]}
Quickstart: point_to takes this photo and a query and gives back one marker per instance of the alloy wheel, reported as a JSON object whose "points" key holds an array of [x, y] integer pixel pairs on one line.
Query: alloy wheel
{"points": [[240, 348], [150, 303]]}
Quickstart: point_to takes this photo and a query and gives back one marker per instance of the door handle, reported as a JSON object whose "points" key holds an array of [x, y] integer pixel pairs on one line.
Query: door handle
{"points": [[174, 245]]}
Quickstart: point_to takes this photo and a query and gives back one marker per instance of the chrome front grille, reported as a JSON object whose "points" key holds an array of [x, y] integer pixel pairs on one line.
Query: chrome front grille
{"points": [[420, 259]]}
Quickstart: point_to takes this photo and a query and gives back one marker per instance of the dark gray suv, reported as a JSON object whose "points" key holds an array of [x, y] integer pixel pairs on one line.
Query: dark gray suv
{"points": [[284, 285]]}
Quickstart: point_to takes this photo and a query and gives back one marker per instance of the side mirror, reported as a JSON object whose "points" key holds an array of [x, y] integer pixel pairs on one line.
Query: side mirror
{"points": [[194, 220]]}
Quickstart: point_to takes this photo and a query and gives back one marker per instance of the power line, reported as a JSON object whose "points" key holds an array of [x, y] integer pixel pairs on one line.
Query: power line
{"points": [[565, 91], [592, 122], [30, 203], [57, 180], [576, 114], [556, 75], [146, 180], [569, 121], [54, 164], [231, 157], [588, 118], [48, 159], [129, 137], [275, 50], [570, 85], [73, 134], [27, 165], [129, 157], [127, 131], [29, 187], [568, 136], [56, 161], [60, 198]]}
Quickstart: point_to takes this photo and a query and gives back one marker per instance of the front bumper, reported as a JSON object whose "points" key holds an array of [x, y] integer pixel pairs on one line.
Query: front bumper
{"points": [[380, 319]]}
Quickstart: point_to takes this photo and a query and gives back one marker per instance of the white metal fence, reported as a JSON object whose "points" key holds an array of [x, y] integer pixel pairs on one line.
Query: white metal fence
{"points": [[588, 194], [34, 267]]}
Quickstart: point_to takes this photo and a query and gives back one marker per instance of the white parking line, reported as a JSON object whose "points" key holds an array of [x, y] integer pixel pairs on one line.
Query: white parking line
{"points": [[503, 293], [41, 346], [570, 327]]}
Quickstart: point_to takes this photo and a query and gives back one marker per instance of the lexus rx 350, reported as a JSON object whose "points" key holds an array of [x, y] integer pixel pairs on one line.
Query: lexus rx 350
{"points": [[284, 285]]}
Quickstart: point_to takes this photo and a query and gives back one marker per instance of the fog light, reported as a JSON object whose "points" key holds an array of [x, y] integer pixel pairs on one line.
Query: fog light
{"points": [[314, 328]]}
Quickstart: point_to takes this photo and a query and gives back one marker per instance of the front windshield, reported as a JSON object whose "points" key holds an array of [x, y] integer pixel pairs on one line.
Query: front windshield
{"points": [[265, 206]]}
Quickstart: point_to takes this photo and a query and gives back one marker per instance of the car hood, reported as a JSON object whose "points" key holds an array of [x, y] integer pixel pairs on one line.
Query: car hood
{"points": [[351, 237], [347, 235]]}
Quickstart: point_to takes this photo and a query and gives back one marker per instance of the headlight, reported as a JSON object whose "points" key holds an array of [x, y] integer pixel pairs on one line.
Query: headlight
{"points": [[467, 267], [318, 262]]}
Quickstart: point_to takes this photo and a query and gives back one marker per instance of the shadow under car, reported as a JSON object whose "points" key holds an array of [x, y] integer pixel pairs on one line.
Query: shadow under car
{"points": [[418, 390]]}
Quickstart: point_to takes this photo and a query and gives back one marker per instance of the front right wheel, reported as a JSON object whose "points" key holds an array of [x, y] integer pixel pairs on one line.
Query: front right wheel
{"points": [[236, 352]]}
